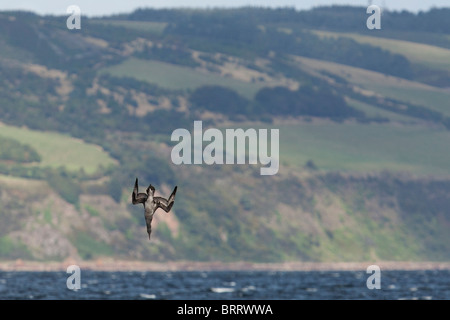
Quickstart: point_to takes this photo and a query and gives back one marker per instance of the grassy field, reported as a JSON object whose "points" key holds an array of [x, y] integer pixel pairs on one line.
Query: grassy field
{"points": [[389, 86], [371, 111], [355, 147], [177, 77], [10, 52], [362, 147], [425, 54], [146, 26], [60, 150], [23, 183]]}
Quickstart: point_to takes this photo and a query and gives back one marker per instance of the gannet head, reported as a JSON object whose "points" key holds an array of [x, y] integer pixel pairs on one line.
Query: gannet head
{"points": [[151, 190]]}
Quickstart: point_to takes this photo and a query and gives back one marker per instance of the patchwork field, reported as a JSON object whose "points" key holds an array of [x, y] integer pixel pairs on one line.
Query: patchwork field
{"points": [[354, 147], [378, 83], [372, 111], [420, 53], [147, 26], [60, 150], [177, 77]]}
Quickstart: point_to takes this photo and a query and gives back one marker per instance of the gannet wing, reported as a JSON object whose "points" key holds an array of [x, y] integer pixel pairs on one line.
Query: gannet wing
{"points": [[166, 204], [137, 197]]}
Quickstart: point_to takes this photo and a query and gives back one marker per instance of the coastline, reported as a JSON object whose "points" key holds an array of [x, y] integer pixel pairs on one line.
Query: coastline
{"points": [[171, 266]]}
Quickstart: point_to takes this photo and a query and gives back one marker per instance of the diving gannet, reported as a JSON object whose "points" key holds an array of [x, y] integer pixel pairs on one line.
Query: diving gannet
{"points": [[151, 203]]}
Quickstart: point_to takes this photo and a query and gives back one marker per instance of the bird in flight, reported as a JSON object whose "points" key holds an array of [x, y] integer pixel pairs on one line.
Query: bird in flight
{"points": [[151, 203]]}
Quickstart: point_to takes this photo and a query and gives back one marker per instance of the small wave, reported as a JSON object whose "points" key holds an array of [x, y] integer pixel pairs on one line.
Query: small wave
{"points": [[147, 296], [408, 298], [249, 288], [335, 275], [222, 290]]}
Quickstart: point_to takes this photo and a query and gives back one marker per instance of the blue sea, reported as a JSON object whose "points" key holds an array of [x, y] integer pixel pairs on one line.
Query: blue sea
{"points": [[226, 285]]}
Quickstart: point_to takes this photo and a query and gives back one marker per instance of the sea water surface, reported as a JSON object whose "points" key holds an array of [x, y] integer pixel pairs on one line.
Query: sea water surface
{"points": [[223, 285]]}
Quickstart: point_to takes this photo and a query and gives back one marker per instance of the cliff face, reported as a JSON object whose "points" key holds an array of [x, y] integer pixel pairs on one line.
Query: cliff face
{"points": [[308, 217]]}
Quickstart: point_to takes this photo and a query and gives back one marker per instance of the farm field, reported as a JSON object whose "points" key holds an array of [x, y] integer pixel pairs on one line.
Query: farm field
{"points": [[354, 147], [176, 77], [428, 55], [378, 83], [147, 26], [372, 111], [60, 150]]}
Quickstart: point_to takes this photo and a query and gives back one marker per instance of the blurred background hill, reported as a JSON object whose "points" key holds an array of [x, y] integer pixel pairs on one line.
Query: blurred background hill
{"points": [[364, 120]]}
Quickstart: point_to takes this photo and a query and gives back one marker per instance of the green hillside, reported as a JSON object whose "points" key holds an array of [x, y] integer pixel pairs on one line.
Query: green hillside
{"points": [[424, 54], [176, 77], [146, 26], [384, 85], [364, 123], [367, 148], [374, 112], [58, 150]]}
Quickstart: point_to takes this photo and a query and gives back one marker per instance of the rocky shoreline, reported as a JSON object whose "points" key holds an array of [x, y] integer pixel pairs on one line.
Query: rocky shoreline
{"points": [[124, 265]]}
